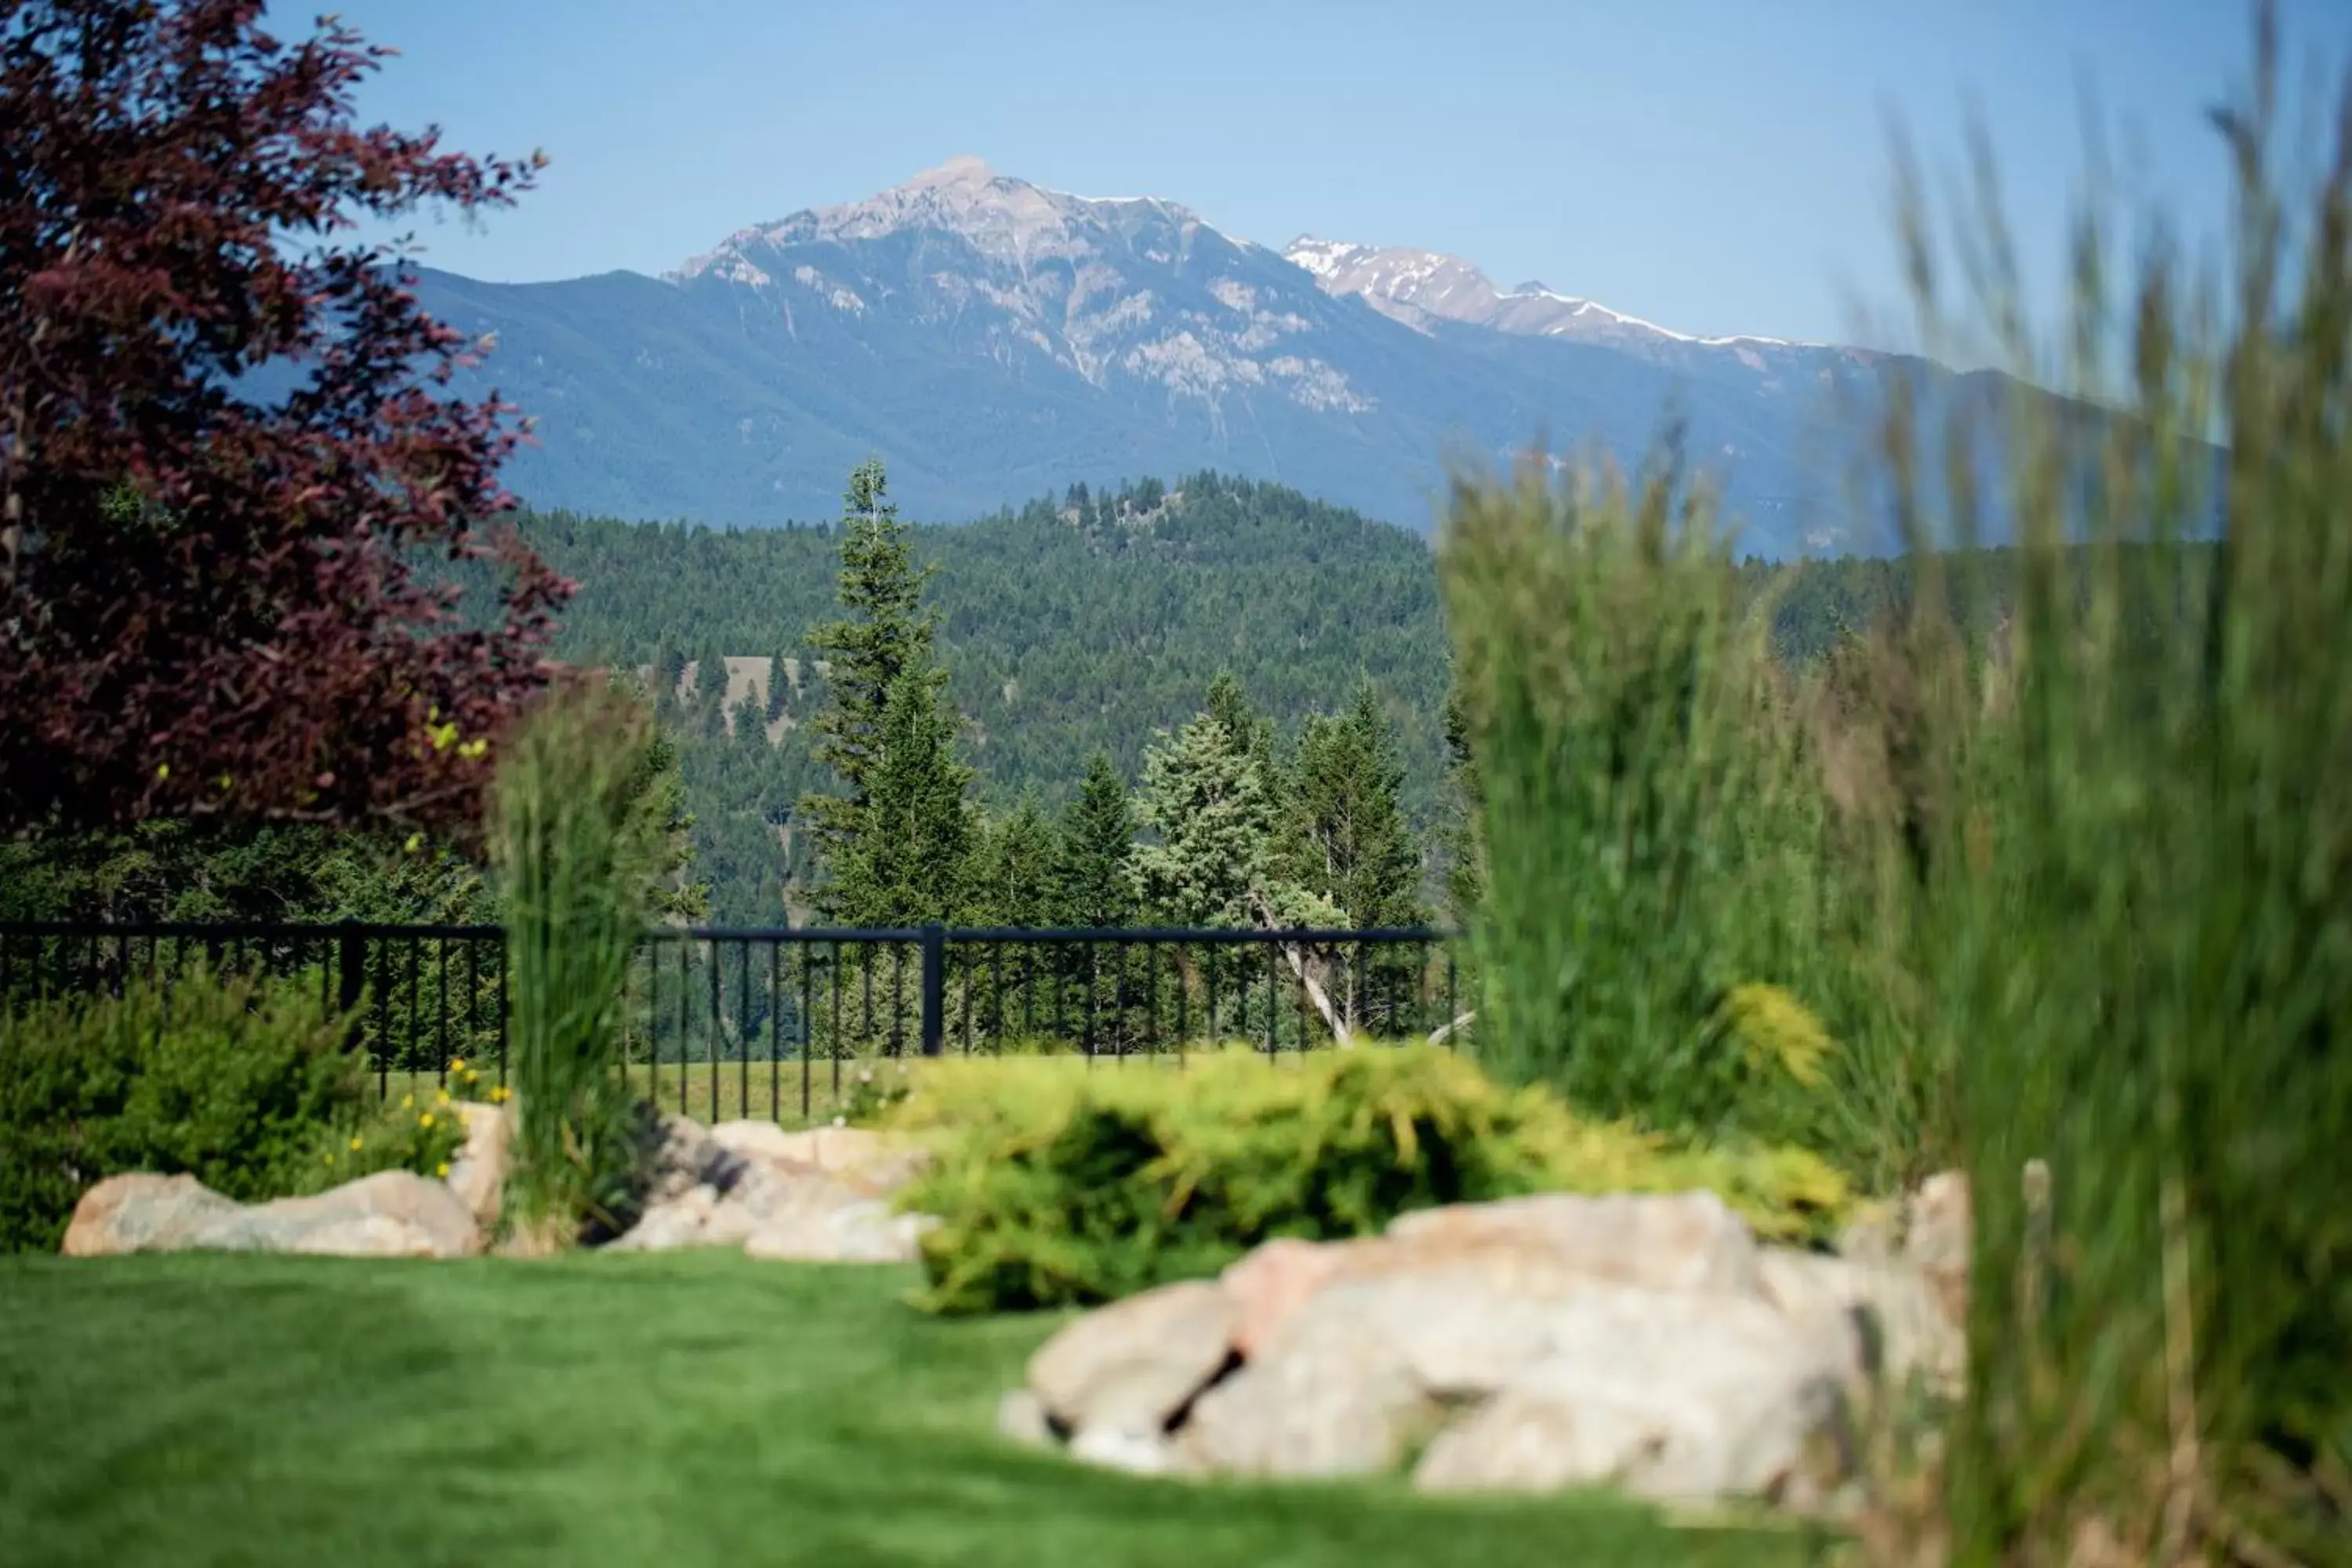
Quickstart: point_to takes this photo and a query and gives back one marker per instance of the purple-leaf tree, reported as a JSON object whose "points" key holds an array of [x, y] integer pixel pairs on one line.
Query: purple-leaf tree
{"points": [[210, 600]]}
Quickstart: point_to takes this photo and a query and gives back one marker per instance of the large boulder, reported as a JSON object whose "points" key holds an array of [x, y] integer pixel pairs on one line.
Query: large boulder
{"points": [[825, 1220], [478, 1173], [1374, 1363], [1120, 1379], [392, 1214], [1646, 1341], [784, 1197], [1681, 1241], [144, 1214], [877, 1162], [1907, 1330], [1679, 1397]]}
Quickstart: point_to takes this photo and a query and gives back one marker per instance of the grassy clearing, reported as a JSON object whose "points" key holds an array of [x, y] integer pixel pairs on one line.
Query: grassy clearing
{"points": [[673, 1410]]}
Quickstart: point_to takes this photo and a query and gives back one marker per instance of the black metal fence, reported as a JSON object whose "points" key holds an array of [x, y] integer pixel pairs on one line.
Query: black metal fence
{"points": [[744, 1022]]}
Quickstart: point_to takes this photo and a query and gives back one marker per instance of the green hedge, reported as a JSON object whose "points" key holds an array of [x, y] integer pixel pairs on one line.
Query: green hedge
{"points": [[1059, 1184], [243, 1084]]}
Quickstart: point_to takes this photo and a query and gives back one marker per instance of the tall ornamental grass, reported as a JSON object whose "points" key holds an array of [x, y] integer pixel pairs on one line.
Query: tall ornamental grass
{"points": [[578, 852], [2068, 876], [2138, 925], [1650, 807]]}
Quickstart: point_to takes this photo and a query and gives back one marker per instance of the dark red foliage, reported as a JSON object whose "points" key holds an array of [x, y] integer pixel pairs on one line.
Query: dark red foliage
{"points": [[207, 600]]}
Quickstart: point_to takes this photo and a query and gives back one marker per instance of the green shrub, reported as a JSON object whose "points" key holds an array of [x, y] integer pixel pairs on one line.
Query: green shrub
{"points": [[401, 1136], [1059, 1184], [245, 1085]]}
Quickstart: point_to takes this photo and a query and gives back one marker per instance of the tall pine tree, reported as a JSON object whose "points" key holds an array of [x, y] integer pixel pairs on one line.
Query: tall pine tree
{"points": [[907, 856], [895, 837], [780, 687], [1014, 881], [1361, 854], [1220, 855], [1459, 840], [1092, 888]]}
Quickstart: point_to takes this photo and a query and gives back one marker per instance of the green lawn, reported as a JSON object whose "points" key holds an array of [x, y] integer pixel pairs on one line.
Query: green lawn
{"points": [[670, 1410]]}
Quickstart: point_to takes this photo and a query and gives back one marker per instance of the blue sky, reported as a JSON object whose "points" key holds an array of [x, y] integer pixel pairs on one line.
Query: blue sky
{"points": [[1714, 165]]}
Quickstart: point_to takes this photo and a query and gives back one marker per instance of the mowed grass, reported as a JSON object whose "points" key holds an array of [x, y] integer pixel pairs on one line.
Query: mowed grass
{"points": [[671, 1410]]}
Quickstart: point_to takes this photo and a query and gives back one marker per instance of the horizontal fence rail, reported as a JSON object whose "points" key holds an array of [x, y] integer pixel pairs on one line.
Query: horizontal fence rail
{"points": [[724, 1022]]}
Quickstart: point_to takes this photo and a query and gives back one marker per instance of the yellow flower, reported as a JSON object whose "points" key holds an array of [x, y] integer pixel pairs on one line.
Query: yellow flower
{"points": [[163, 769], [499, 1095], [473, 1077], [442, 1169], [355, 1143], [440, 1097], [425, 1119], [457, 1064], [407, 1102]]}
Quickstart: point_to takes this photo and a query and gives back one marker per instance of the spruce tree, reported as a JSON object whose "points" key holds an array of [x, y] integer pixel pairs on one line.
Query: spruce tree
{"points": [[885, 695], [887, 631], [1250, 731], [1093, 890], [780, 687], [1219, 856], [1350, 786], [669, 674], [1459, 836], [907, 857], [1014, 882], [709, 676]]}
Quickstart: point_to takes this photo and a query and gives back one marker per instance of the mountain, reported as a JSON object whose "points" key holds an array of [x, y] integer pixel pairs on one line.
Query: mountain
{"points": [[988, 337], [1419, 288]]}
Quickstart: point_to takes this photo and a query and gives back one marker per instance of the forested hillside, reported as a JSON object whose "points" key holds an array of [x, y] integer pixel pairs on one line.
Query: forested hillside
{"points": [[1080, 621], [1075, 622]]}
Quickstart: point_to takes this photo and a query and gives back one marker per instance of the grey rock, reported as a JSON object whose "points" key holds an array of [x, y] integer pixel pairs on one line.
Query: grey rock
{"points": [[144, 1214], [1136, 1364], [827, 1224], [478, 1173], [392, 1214], [1680, 1241], [1906, 1317], [1673, 1398]]}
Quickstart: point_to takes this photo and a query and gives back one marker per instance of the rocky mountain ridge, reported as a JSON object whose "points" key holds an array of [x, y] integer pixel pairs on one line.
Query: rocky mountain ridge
{"points": [[990, 338]]}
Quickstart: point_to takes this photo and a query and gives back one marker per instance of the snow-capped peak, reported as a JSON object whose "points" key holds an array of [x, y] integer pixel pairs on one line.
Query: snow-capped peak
{"points": [[1322, 256], [1419, 287]]}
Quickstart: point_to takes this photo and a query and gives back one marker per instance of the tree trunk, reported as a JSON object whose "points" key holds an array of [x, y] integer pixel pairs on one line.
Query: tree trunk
{"points": [[1340, 1034]]}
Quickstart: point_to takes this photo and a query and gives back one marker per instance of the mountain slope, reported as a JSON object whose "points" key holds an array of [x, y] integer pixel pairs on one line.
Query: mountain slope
{"points": [[988, 337]]}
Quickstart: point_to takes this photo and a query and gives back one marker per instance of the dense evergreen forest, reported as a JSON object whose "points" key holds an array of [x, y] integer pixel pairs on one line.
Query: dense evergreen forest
{"points": [[1075, 634], [1075, 622], [1071, 624]]}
